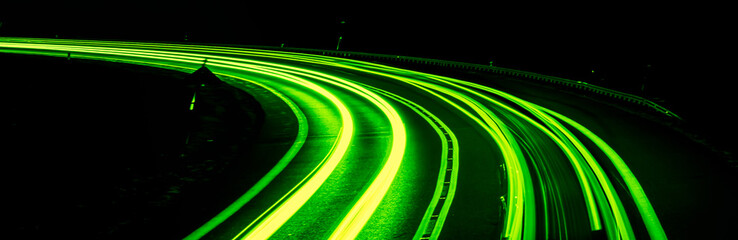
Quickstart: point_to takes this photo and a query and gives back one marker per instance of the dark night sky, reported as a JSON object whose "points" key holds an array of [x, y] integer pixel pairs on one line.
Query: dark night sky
{"points": [[510, 34], [682, 42]]}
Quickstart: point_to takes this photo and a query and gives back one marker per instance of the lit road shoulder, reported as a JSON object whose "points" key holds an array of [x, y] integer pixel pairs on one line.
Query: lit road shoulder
{"points": [[531, 164]]}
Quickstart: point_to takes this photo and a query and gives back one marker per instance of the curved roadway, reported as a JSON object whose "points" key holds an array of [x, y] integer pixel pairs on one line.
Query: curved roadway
{"points": [[389, 153]]}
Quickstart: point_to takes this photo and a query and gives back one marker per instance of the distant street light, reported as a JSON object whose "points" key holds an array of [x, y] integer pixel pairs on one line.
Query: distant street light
{"points": [[341, 27], [339, 42], [597, 73]]}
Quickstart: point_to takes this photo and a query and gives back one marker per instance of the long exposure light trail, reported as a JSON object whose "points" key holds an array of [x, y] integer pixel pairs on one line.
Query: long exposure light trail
{"points": [[428, 228], [283, 212], [513, 125], [300, 139], [655, 230], [624, 226]]}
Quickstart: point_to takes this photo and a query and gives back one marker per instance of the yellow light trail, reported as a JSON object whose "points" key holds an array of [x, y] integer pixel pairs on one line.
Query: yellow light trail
{"points": [[357, 217], [589, 171], [283, 212], [624, 230]]}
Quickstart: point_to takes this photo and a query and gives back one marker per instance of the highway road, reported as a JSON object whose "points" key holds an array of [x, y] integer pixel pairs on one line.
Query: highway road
{"points": [[388, 153]]}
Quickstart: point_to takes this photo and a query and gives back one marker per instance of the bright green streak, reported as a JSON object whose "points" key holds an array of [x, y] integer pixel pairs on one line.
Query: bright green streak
{"points": [[612, 198], [653, 226], [302, 133], [451, 192], [281, 214], [574, 159], [621, 219], [623, 224], [514, 198], [365, 206], [501, 141], [434, 122], [520, 193], [368, 202]]}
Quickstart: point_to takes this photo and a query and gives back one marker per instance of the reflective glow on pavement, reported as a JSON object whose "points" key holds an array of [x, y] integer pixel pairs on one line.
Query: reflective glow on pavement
{"points": [[529, 137]]}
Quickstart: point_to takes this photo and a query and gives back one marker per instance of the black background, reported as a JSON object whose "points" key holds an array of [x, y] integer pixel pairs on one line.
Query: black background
{"points": [[684, 43]]}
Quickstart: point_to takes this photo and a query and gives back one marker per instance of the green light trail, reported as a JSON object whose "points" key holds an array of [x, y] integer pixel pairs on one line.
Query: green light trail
{"points": [[281, 213], [447, 136], [365, 206], [612, 198], [594, 217], [302, 133], [653, 225], [624, 229], [480, 104], [520, 193], [623, 224]]}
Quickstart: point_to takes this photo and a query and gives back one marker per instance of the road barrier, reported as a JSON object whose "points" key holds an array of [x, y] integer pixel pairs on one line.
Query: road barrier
{"points": [[630, 98], [627, 97]]}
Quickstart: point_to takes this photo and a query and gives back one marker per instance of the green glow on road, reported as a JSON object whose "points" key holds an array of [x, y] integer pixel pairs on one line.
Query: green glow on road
{"points": [[276, 218], [574, 159], [519, 184], [653, 225], [354, 221], [624, 230], [602, 203], [365, 206], [302, 133], [443, 131], [281, 213]]}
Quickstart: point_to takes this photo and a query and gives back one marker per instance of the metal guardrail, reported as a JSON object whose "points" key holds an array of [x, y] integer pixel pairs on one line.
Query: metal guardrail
{"points": [[472, 66], [627, 97]]}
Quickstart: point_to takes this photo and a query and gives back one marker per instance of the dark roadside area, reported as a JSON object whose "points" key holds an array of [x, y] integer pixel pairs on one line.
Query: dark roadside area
{"points": [[688, 172], [113, 151]]}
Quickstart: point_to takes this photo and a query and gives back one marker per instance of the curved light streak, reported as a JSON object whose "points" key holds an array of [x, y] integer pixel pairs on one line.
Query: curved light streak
{"points": [[653, 225], [266, 179], [595, 183]]}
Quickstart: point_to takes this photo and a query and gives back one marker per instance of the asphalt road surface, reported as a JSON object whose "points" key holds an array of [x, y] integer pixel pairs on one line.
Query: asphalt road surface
{"points": [[389, 153]]}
